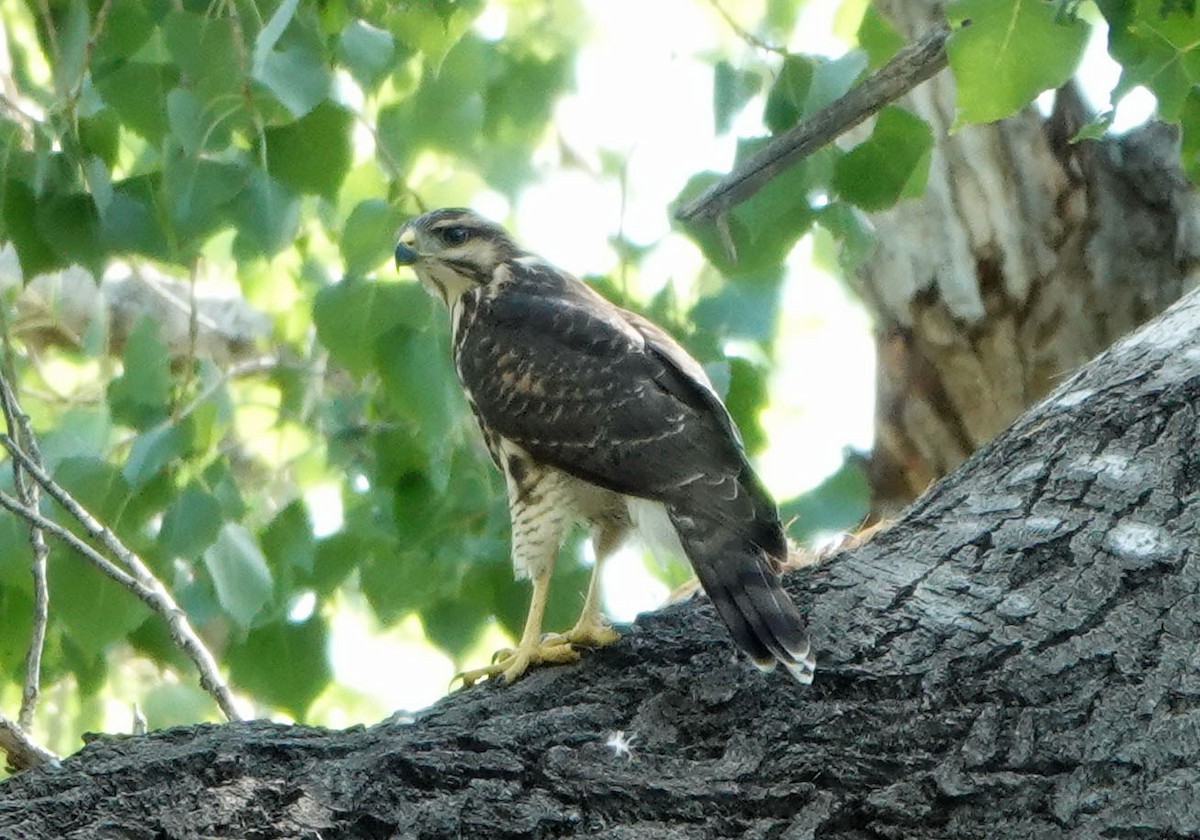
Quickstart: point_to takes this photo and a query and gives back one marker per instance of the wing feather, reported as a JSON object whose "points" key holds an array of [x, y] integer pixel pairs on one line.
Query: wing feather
{"points": [[605, 396]]}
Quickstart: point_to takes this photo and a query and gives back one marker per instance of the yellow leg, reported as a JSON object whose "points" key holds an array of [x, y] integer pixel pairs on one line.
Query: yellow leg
{"points": [[591, 630], [532, 649]]}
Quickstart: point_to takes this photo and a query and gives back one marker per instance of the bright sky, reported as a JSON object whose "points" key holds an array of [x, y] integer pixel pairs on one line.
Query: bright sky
{"points": [[644, 91]]}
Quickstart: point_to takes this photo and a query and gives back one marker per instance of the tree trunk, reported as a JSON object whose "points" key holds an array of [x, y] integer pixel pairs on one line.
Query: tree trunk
{"points": [[1016, 658], [1026, 256]]}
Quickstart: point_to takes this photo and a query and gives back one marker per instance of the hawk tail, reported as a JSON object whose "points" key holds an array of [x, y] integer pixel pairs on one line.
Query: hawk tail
{"points": [[739, 578]]}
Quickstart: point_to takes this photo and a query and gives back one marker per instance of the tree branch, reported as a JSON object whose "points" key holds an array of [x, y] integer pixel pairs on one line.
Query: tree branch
{"points": [[22, 751], [17, 423], [908, 68], [141, 581]]}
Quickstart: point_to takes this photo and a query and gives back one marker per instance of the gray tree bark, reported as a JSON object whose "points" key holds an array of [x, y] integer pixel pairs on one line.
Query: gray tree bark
{"points": [[1026, 256], [1016, 658]]}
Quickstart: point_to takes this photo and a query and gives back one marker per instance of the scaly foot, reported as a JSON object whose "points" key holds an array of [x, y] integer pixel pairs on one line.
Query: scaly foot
{"points": [[511, 663], [590, 634]]}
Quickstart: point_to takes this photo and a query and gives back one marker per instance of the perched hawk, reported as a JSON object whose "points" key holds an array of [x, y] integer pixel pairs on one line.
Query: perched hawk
{"points": [[597, 416]]}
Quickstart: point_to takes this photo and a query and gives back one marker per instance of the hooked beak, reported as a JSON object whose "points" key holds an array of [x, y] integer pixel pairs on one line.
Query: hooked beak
{"points": [[405, 254]]}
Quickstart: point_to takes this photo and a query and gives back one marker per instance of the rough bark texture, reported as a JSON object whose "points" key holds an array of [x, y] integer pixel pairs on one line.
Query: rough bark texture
{"points": [[1026, 256], [1016, 658]]}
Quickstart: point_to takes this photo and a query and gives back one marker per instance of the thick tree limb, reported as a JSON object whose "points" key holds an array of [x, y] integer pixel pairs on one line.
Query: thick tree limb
{"points": [[1016, 658], [21, 751], [908, 68]]}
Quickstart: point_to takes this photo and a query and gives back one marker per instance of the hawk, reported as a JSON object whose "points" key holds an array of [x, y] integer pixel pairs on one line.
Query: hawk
{"points": [[596, 416]]}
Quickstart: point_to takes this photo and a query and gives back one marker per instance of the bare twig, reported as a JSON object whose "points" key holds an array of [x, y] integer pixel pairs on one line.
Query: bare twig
{"points": [[38, 520], [22, 751], [142, 581], [747, 36], [907, 69], [18, 426]]}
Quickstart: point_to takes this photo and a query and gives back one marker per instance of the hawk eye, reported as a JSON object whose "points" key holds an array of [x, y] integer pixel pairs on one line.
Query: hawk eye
{"points": [[455, 235]]}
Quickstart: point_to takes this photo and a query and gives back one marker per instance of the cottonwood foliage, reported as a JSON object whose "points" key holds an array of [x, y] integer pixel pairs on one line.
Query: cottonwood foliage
{"points": [[272, 149]]}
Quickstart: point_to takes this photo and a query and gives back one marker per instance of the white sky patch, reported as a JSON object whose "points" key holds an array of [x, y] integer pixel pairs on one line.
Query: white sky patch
{"points": [[324, 503], [492, 23], [302, 606], [399, 668], [628, 586], [823, 389]]}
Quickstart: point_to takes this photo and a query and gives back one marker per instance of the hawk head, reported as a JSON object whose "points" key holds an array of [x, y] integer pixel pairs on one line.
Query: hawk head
{"points": [[454, 250]]}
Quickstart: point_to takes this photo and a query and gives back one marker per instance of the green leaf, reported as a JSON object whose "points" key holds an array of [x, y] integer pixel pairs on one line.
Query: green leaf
{"points": [[197, 190], [878, 37], [239, 573], [16, 622], [141, 395], [419, 381], [34, 251], [137, 91], [453, 625], [747, 308], [432, 28], [297, 77], [127, 28], [287, 541], [1189, 119], [270, 34], [312, 154], [838, 503], [894, 161], [168, 704], [369, 237], [267, 215], [100, 135], [191, 523], [732, 89], [73, 30], [366, 51], [94, 611], [335, 558], [219, 480], [399, 582], [785, 102], [746, 398], [284, 664], [97, 485], [90, 669], [79, 430], [853, 231], [70, 223], [154, 449], [1157, 45], [1011, 51], [130, 225], [832, 78], [353, 315], [206, 49]]}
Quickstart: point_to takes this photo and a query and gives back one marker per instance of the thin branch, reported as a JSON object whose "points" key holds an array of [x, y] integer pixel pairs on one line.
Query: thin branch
{"points": [[907, 69], [38, 520], [18, 426], [144, 584], [22, 751], [747, 36]]}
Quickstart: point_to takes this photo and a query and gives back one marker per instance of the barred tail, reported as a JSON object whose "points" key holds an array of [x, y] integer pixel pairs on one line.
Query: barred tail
{"points": [[741, 583]]}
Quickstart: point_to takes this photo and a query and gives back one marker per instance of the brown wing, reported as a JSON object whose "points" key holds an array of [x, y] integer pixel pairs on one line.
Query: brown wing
{"points": [[612, 400]]}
